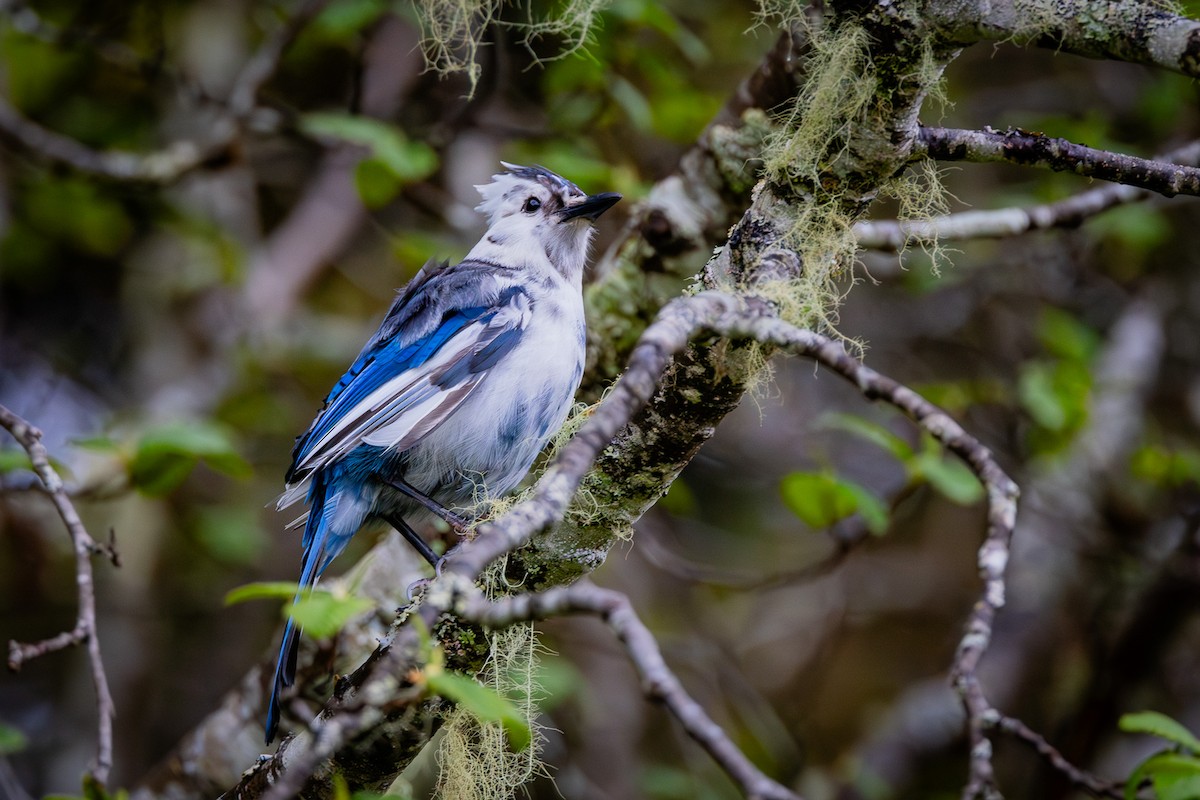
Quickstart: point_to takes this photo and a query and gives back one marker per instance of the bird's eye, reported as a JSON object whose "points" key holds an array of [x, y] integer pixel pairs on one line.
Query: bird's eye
{"points": [[531, 205]]}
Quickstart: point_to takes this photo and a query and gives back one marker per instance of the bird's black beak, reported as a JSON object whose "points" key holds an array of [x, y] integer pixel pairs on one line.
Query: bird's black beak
{"points": [[591, 208]]}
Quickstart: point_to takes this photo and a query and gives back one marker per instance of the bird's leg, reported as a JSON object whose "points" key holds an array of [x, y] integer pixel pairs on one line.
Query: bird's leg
{"points": [[456, 522], [397, 522]]}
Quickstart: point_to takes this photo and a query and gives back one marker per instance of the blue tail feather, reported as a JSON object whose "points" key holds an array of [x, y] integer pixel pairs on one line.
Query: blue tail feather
{"points": [[321, 546]]}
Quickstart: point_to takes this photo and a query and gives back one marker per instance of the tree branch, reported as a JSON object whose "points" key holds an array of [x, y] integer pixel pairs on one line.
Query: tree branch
{"points": [[1016, 146], [1004, 222], [658, 681], [1123, 30], [1080, 778], [84, 631], [172, 162]]}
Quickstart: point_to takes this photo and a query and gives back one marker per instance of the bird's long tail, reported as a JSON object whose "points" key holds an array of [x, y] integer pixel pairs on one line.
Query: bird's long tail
{"points": [[321, 546]]}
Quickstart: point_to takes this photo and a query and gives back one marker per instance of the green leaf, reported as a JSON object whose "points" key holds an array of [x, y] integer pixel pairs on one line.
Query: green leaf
{"points": [[817, 498], [408, 161], [95, 790], [263, 590], [1160, 725], [13, 459], [12, 740], [1165, 770], [341, 20], [166, 455], [874, 513], [1040, 397], [1183, 788], [377, 185], [322, 614], [873, 432], [485, 703], [949, 476], [1062, 335]]}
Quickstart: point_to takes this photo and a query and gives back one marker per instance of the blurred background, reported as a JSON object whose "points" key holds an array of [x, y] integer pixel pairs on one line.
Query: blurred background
{"points": [[172, 338]]}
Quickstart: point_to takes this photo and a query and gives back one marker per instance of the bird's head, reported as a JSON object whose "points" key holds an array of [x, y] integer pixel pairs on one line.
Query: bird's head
{"points": [[531, 207]]}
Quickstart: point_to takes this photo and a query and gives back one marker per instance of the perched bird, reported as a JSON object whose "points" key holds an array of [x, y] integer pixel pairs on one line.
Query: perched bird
{"points": [[473, 369]]}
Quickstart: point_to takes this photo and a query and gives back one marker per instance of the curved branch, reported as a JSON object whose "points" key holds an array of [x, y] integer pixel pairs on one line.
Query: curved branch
{"points": [[84, 631], [1016, 146], [658, 681]]}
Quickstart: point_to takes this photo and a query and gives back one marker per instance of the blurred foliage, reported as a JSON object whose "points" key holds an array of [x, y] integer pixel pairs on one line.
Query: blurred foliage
{"points": [[321, 613], [92, 790], [1174, 773], [926, 465], [1055, 389], [820, 499], [395, 160], [11, 740]]}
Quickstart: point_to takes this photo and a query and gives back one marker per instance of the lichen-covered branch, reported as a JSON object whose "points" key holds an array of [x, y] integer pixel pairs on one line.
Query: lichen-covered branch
{"points": [[84, 631], [732, 318], [1039, 150], [998, 223], [672, 232], [1123, 30], [658, 680]]}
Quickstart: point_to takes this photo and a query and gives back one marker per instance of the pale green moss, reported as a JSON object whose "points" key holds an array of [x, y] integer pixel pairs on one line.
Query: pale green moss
{"points": [[452, 30]]}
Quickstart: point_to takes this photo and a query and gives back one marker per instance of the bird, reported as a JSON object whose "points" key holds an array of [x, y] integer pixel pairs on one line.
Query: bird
{"points": [[474, 367]]}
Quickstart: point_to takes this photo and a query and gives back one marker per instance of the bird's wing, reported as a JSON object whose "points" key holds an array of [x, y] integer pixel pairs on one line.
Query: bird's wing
{"points": [[398, 391]]}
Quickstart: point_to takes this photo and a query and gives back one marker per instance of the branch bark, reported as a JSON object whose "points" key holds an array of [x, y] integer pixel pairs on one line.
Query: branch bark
{"points": [[84, 631]]}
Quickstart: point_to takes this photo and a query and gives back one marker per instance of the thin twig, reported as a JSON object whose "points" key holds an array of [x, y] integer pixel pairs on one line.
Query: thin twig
{"points": [[84, 631], [1080, 778], [1003, 222], [1016, 146]]}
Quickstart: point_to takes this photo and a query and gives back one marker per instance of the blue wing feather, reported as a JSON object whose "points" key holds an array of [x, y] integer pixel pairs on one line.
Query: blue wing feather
{"points": [[377, 364]]}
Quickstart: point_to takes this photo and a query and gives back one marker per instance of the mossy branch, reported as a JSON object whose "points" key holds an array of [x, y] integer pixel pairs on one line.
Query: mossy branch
{"points": [[1123, 30]]}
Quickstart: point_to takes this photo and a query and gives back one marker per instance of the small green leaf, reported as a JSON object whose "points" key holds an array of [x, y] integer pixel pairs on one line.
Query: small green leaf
{"points": [[1039, 396], [323, 614], [341, 20], [377, 185], [1182, 788], [1165, 770], [166, 455], [874, 513], [12, 740], [13, 459], [949, 476], [1160, 725], [1062, 335], [263, 590], [485, 703], [817, 498], [873, 432], [408, 161]]}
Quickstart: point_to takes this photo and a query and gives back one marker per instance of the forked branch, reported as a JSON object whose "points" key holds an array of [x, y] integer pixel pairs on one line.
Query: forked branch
{"points": [[85, 547]]}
